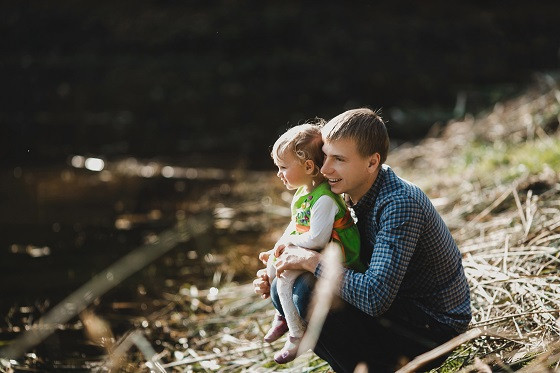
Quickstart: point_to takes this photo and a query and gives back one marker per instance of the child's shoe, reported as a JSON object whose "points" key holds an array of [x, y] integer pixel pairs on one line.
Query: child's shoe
{"points": [[279, 328], [289, 352]]}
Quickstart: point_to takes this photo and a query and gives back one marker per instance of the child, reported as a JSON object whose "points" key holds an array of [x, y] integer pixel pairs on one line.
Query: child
{"points": [[318, 216]]}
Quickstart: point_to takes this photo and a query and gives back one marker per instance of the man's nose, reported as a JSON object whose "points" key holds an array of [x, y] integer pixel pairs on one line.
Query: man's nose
{"points": [[325, 168]]}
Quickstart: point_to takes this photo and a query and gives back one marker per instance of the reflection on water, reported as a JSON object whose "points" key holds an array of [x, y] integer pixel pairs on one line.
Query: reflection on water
{"points": [[62, 225]]}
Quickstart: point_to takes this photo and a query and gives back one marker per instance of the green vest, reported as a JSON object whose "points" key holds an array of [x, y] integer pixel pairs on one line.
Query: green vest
{"points": [[345, 231]]}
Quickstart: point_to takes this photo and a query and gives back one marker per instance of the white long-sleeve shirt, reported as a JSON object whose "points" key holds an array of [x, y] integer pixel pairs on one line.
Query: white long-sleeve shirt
{"points": [[321, 223]]}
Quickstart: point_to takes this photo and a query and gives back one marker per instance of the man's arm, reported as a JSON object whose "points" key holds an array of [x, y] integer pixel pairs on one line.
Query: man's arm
{"points": [[297, 258], [401, 223]]}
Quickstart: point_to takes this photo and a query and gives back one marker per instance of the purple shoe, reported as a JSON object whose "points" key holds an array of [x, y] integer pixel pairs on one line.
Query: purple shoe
{"points": [[279, 328], [289, 351]]}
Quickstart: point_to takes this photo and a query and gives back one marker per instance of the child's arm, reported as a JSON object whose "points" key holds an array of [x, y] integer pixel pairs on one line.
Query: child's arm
{"points": [[284, 239], [321, 222], [280, 244]]}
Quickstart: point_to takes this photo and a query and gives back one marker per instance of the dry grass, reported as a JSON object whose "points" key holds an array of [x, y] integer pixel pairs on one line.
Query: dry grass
{"points": [[495, 180], [506, 221], [505, 218]]}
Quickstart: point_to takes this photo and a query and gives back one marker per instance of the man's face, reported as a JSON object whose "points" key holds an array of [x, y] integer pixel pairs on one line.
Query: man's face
{"points": [[346, 170]]}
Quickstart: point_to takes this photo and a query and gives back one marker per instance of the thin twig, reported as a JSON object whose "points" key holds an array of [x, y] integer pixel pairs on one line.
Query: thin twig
{"points": [[448, 346]]}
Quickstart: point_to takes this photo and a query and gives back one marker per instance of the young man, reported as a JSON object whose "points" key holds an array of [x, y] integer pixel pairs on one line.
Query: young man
{"points": [[414, 295]]}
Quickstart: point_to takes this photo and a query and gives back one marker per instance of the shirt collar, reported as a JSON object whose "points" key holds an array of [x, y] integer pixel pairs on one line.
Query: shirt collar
{"points": [[368, 199]]}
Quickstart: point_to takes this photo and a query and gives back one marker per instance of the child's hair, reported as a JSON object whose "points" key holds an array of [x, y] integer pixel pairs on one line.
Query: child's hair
{"points": [[365, 127], [304, 141]]}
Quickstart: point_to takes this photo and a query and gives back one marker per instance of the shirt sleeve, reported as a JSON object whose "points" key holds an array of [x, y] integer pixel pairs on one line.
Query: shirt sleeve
{"points": [[321, 223], [400, 225], [285, 236]]}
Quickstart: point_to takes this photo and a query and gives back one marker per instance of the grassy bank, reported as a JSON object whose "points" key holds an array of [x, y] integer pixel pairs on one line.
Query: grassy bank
{"points": [[494, 178]]}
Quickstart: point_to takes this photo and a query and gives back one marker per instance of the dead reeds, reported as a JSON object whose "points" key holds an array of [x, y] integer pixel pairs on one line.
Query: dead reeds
{"points": [[505, 220], [494, 179], [506, 223]]}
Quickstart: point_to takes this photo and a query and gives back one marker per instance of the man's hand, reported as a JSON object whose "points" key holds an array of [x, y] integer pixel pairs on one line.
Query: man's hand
{"points": [[298, 258], [261, 284]]}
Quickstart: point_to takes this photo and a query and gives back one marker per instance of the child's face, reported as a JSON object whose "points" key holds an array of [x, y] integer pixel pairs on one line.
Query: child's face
{"points": [[292, 171], [346, 170]]}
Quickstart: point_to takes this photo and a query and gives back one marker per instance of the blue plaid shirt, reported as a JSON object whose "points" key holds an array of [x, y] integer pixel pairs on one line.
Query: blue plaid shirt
{"points": [[411, 255]]}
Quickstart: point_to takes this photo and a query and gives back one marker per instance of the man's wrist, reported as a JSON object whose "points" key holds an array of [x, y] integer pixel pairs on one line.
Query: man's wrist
{"points": [[313, 262], [318, 270]]}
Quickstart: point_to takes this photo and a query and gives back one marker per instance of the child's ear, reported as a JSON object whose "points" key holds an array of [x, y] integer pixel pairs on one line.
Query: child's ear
{"points": [[309, 166]]}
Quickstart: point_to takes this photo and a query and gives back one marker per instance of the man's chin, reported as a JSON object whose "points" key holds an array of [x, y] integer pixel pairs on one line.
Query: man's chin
{"points": [[336, 187]]}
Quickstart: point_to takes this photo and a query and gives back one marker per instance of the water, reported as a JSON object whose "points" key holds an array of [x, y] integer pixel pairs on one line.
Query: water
{"points": [[63, 224]]}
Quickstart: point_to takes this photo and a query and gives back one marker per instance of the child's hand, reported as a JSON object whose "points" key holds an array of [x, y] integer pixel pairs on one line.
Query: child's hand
{"points": [[263, 256], [261, 285], [278, 250]]}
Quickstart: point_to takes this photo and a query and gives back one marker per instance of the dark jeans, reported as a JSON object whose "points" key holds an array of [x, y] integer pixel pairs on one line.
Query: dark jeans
{"points": [[350, 336]]}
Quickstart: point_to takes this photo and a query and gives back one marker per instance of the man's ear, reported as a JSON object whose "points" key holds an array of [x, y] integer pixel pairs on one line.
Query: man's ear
{"points": [[309, 166], [374, 161]]}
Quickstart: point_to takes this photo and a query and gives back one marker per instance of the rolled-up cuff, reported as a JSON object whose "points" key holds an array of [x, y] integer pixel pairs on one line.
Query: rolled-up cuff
{"points": [[318, 270]]}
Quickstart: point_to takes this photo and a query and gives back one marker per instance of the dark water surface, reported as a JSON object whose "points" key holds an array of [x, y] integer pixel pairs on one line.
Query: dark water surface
{"points": [[63, 224]]}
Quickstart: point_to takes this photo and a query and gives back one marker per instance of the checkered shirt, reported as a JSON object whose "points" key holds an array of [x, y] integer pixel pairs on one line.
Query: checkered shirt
{"points": [[411, 255]]}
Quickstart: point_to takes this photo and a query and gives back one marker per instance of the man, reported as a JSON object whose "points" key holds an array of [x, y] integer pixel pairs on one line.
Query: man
{"points": [[414, 295]]}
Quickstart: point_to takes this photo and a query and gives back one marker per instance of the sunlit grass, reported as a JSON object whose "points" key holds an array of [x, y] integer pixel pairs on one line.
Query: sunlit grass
{"points": [[456, 360], [494, 179], [513, 159], [500, 199]]}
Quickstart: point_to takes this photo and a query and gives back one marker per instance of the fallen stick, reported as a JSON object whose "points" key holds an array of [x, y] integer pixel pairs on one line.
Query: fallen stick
{"points": [[448, 346]]}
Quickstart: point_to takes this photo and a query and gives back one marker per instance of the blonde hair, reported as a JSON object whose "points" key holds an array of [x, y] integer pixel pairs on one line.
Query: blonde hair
{"points": [[304, 141], [365, 127]]}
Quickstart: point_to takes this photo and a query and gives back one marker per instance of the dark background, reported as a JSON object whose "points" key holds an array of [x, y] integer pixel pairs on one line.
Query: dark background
{"points": [[222, 79]]}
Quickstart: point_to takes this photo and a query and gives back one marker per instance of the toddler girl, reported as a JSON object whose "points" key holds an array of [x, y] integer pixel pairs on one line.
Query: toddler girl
{"points": [[318, 216]]}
